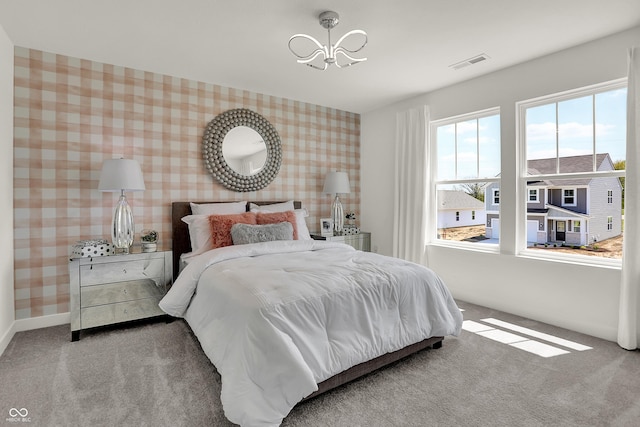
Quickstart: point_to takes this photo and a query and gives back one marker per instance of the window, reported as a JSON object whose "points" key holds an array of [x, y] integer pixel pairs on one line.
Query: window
{"points": [[533, 195], [569, 197], [466, 162], [574, 143]]}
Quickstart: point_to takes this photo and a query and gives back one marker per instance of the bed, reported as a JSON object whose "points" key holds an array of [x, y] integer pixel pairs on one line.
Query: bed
{"points": [[284, 321]]}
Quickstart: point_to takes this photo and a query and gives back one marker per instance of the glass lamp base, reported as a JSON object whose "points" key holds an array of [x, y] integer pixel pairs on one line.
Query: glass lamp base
{"points": [[122, 228], [337, 214]]}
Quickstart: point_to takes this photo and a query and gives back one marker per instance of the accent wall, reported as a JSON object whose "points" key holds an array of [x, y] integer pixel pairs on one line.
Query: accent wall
{"points": [[71, 114]]}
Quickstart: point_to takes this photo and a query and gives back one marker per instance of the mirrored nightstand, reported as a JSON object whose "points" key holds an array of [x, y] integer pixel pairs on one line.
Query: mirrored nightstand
{"points": [[361, 241]]}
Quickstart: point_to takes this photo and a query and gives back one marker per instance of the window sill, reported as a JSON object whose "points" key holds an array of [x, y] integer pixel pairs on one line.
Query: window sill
{"points": [[584, 260], [492, 248]]}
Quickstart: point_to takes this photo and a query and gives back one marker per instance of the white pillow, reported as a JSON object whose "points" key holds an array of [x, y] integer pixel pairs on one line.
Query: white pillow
{"points": [[301, 223], [275, 207], [199, 233], [218, 208]]}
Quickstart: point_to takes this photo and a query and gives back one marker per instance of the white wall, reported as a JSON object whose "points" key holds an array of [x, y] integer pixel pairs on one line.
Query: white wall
{"points": [[7, 312], [573, 296]]}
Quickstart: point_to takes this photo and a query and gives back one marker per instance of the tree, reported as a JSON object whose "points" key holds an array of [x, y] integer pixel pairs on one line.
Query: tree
{"points": [[620, 165], [474, 190]]}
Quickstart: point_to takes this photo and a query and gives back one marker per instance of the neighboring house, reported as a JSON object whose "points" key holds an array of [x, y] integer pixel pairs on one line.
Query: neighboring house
{"points": [[571, 211], [459, 209]]}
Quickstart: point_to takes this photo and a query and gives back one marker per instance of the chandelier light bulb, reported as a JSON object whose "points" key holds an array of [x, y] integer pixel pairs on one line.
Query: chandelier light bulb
{"points": [[331, 53]]}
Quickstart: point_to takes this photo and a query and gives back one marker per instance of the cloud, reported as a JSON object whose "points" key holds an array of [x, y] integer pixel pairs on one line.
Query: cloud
{"points": [[570, 130]]}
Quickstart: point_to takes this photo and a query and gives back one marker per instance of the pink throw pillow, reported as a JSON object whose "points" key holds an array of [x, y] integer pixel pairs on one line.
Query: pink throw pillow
{"points": [[276, 217], [221, 227]]}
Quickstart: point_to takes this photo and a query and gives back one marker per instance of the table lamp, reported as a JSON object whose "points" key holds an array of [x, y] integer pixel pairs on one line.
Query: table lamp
{"points": [[337, 183], [121, 175]]}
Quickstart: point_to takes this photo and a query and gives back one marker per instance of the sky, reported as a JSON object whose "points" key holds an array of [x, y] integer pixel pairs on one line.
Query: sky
{"points": [[478, 141], [575, 127]]}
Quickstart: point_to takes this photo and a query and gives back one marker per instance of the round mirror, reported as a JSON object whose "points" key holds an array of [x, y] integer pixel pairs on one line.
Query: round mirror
{"points": [[242, 150]]}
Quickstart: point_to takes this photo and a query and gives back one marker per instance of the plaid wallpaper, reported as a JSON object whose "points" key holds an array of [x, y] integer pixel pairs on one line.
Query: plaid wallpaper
{"points": [[71, 114]]}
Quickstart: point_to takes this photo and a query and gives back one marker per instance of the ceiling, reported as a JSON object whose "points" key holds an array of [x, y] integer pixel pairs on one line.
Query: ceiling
{"points": [[243, 43]]}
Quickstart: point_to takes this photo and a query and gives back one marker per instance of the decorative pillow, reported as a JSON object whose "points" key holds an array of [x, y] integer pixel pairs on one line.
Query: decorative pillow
{"points": [[301, 224], [218, 208], [276, 217], [301, 214], [243, 234], [221, 227], [199, 232], [275, 207]]}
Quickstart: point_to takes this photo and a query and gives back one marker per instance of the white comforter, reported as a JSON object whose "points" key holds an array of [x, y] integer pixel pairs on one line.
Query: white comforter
{"points": [[276, 318]]}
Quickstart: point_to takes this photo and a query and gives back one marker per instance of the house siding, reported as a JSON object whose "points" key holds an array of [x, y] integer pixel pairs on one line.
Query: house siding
{"points": [[600, 209]]}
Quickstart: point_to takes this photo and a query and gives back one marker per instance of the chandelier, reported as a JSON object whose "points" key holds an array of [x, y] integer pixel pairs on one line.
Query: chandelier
{"points": [[330, 52]]}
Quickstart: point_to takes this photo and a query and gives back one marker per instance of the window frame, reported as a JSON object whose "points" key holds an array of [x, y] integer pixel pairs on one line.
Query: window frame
{"points": [[432, 227], [537, 198], [523, 177], [495, 196], [574, 196], [609, 197]]}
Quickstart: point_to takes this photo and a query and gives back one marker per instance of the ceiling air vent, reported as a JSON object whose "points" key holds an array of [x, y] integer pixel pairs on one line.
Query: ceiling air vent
{"points": [[470, 61]]}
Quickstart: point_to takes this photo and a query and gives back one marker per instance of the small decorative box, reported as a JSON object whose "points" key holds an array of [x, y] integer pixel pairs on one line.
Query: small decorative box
{"points": [[92, 248], [350, 230]]}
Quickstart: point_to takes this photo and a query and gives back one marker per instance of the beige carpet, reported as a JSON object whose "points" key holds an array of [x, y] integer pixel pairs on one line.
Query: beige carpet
{"points": [[155, 374]]}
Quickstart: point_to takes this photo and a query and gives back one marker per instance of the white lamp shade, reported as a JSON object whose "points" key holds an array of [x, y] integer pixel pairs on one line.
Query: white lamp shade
{"points": [[336, 182], [121, 175]]}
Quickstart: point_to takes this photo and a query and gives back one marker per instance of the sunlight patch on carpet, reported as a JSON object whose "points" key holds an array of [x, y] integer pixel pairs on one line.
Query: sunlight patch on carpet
{"points": [[488, 330]]}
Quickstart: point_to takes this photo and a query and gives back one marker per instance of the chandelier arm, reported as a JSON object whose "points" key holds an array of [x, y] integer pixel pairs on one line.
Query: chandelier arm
{"points": [[312, 56], [316, 67], [305, 36], [353, 60], [337, 45]]}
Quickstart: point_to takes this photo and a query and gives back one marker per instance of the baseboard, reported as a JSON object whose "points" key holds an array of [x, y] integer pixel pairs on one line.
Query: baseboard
{"points": [[32, 323], [6, 338], [41, 322]]}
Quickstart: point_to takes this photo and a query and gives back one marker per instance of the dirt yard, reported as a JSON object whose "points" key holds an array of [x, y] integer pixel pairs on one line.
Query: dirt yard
{"points": [[610, 248]]}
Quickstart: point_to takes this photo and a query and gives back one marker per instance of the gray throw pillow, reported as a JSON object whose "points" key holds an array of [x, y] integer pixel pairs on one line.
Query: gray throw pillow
{"points": [[241, 234]]}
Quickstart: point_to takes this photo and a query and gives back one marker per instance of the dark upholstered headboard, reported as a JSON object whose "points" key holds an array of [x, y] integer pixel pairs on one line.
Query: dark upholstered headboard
{"points": [[180, 230]]}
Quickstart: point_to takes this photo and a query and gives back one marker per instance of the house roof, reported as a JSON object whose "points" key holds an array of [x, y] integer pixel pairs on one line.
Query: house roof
{"points": [[453, 199], [570, 164]]}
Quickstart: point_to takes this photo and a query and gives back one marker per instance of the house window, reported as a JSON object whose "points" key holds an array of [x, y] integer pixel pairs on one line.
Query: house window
{"points": [[533, 195], [569, 197], [575, 142], [496, 197], [466, 161]]}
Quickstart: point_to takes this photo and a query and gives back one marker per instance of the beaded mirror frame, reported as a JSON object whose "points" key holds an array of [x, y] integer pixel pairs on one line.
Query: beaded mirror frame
{"points": [[215, 162]]}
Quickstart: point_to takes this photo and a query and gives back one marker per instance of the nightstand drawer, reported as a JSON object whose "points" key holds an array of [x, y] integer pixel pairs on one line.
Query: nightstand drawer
{"points": [[121, 291], [117, 288], [120, 312], [95, 274]]}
